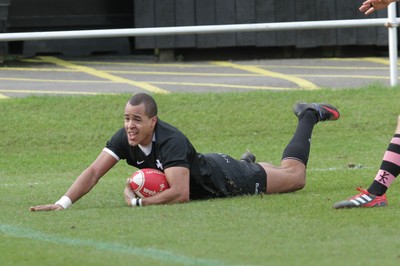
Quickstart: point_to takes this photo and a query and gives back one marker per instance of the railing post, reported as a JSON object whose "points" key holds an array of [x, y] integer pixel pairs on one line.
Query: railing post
{"points": [[392, 43]]}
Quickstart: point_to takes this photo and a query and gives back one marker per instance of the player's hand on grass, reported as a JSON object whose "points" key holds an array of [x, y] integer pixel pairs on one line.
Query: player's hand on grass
{"points": [[369, 6], [48, 207]]}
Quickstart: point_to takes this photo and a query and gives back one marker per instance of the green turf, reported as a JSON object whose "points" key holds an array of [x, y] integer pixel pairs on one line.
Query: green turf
{"points": [[45, 142]]}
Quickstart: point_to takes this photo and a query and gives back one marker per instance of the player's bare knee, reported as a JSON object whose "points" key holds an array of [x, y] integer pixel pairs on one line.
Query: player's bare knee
{"points": [[294, 186], [299, 182]]}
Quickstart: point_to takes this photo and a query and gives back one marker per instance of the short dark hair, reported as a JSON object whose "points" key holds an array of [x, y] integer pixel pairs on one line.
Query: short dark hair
{"points": [[149, 103]]}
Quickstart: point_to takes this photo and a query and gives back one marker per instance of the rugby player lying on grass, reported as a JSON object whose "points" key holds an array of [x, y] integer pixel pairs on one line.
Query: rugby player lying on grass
{"points": [[148, 142]]}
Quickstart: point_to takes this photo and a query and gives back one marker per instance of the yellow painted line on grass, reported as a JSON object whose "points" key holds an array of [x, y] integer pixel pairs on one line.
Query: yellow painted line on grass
{"points": [[184, 65], [53, 91], [37, 69], [233, 86], [56, 92], [196, 74], [101, 74], [325, 67], [55, 80], [160, 83], [175, 65], [343, 76], [2, 97], [377, 60], [302, 83], [342, 59]]}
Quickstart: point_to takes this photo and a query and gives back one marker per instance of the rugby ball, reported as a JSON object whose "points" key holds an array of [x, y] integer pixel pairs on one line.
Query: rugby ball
{"points": [[148, 182]]}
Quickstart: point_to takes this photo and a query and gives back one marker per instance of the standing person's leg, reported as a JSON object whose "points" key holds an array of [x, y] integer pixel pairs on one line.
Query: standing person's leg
{"points": [[375, 196], [390, 166], [291, 174]]}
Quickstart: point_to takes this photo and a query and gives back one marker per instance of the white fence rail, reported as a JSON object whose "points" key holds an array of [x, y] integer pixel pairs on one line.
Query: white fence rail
{"points": [[276, 26], [391, 22], [393, 44]]}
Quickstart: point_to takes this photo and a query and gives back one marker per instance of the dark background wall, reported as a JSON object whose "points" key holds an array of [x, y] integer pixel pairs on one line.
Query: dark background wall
{"points": [[42, 15], [210, 12], [29, 15]]}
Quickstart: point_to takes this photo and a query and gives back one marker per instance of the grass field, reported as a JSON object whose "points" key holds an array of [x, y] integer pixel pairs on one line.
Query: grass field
{"points": [[45, 142]]}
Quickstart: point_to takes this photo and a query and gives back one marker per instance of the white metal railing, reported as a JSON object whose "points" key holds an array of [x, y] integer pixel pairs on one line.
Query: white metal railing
{"points": [[276, 26], [393, 43], [391, 23]]}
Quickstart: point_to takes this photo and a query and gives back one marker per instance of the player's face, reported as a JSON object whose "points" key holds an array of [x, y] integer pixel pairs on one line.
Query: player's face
{"points": [[139, 128]]}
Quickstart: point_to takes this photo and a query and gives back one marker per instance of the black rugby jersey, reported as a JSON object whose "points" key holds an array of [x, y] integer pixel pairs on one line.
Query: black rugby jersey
{"points": [[171, 147]]}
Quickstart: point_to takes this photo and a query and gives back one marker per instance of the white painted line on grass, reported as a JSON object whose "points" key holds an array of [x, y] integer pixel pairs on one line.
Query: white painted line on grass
{"points": [[152, 253], [357, 167]]}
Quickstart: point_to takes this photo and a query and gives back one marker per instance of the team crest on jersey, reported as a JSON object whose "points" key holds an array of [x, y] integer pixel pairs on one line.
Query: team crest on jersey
{"points": [[159, 164]]}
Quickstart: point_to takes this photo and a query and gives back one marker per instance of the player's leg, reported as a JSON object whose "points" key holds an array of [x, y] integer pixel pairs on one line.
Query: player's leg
{"points": [[288, 177], [390, 166], [375, 196], [291, 174]]}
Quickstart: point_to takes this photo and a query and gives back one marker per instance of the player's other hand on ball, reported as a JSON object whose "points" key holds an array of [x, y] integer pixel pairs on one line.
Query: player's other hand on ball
{"points": [[128, 194], [48, 207]]}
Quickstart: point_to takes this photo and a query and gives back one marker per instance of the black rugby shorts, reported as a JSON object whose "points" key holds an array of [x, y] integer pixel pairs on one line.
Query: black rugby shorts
{"points": [[243, 178]]}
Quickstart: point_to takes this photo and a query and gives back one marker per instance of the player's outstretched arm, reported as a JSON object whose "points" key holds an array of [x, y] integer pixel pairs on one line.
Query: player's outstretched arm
{"points": [[83, 184], [370, 6]]}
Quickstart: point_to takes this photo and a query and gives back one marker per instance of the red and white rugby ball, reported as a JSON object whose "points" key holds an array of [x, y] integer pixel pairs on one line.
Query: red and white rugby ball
{"points": [[148, 182]]}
